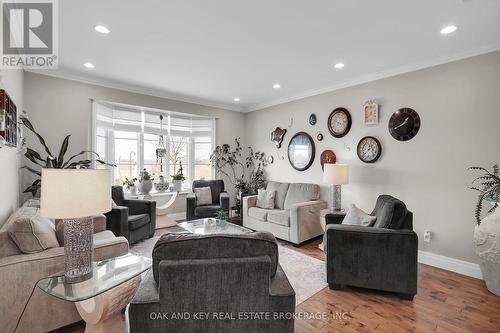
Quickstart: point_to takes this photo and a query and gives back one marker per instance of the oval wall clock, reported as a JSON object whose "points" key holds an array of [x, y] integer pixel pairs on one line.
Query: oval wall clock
{"points": [[404, 124], [312, 119], [369, 149], [327, 157], [339, 122]]}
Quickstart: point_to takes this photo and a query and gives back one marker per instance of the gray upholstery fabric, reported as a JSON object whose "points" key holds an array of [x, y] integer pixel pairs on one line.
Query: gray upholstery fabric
{"points": [[390, 212], [258, 213], [220, 200], [301, 192], [372, 257], [281, 189], [240, 275], [278, 216], [127, 219]]}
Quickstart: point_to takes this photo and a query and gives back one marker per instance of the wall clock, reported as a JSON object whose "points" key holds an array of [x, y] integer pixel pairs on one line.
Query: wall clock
{"points": [[277, 136], [327, 157], [301, 151], [369, 149], [319, 136], [404, 124], [270, 159], [339, 122], [312, 119], [370, 113]]}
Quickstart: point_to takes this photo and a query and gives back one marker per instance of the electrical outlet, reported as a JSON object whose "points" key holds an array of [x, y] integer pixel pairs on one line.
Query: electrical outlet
{"points": [[427, 236]]}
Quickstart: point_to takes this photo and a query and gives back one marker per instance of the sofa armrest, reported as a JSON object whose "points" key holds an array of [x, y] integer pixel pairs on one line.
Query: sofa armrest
{"points": [[248, 202], [224, 201], [117, 221], [334, 219], [370, 257], [190, 206], [305, 220], [99, 223]]}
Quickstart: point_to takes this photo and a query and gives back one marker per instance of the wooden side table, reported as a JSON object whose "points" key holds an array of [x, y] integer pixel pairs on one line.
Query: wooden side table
{"points": [[322, 219]]}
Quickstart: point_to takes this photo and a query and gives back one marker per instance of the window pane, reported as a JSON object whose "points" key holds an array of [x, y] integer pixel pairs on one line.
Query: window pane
{"points": [[178, 152], [100, 146], [150, 162], [125, 155], [202, 151]]}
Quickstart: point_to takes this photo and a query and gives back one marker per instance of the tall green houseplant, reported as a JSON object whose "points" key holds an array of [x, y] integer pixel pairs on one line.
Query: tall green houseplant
{"points": [[53, 161]]}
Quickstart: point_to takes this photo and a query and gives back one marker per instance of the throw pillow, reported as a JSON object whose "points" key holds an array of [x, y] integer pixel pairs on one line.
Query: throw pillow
{"points": [[265, 199], [203, 196], [356, 216], [31, 232]]}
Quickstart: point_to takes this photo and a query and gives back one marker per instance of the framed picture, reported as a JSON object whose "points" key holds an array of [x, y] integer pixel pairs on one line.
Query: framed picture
{"points": [[370, 113]]}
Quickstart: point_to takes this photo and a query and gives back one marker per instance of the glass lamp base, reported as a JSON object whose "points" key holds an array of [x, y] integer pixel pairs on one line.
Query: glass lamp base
{"points": [[335, 198], [78, 249]]}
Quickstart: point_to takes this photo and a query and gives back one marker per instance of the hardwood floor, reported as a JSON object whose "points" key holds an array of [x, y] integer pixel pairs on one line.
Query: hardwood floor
{"points": [[446, 302]]}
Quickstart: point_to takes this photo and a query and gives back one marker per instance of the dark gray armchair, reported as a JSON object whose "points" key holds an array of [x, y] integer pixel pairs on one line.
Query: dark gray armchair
{"points": [[382, 257], [230, 275], [220, 200], [133, 219]]}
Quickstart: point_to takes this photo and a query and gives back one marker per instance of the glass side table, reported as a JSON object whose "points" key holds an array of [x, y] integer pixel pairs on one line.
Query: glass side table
{"points": [[100, 299]]}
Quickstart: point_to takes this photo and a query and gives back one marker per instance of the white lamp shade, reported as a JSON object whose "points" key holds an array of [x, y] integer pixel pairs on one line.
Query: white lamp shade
{"points": [[75, 193], [336, 174]]}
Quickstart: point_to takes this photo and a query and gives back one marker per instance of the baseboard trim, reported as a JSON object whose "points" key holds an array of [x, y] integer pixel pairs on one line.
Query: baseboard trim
{"points": [[177, 216], [450, 264]]}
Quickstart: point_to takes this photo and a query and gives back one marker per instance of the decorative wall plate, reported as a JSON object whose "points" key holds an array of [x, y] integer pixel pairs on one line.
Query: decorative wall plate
{"points": [[312, 119], [369, 149], [301, 151], [339, 122], [404, 124], [277, 136], [327, 157], [319, 137], [370, 113]]}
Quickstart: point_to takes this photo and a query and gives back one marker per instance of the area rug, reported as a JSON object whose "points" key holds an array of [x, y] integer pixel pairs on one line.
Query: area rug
{"points": [[306, 274]]}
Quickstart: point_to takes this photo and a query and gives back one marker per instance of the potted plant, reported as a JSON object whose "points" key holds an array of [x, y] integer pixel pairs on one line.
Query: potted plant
{"points": [[178, 178], [487, 230], [221, 215], [145, 181], [130, 185]]}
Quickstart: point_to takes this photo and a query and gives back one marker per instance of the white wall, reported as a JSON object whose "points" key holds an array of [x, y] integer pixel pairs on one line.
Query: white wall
{"points": [[12, 81], [59, 107], [459, 104]]}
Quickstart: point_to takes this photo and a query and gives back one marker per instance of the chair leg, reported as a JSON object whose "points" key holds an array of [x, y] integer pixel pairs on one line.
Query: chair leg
{"points": [[335, 286]]}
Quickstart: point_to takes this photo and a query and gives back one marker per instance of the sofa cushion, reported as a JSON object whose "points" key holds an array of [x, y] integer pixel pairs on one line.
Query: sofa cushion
{"points": [[281, 189], [203, 196], [137, 221], [265, 199], [301, 192], [206, 211], [356, 216], [258, 213], [183, 246], [279, 216], [30, 231], [390, 212], [216, 186]]}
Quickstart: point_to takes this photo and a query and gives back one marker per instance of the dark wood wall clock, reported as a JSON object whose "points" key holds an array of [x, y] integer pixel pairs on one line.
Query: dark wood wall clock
{"points": [[369, 149], [339, 122], [327, 157], [404, 124]]}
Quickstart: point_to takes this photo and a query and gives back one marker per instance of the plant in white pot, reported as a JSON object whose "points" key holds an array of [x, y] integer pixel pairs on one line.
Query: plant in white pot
{"points": [[487, 230], [178, 178], [130, 185], [145, 182]]}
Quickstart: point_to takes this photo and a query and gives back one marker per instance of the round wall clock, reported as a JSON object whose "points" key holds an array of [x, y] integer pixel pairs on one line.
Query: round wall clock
{"points": [[404, 124], [369, 149], [319, 137], [327, 157], [339, 122], [301, 151], [312, 119], [270, 159]]}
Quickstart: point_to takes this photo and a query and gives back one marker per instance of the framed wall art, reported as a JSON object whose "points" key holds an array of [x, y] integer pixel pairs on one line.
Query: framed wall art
{"points": [[370, 113]]}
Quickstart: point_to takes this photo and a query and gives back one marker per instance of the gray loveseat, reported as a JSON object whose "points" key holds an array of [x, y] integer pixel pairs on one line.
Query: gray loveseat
{"points": [[296, 217], [228, 275]]}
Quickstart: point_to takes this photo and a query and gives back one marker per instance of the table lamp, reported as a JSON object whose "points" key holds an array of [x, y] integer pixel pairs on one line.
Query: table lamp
{"points": [[336, 175], [75, 195]]}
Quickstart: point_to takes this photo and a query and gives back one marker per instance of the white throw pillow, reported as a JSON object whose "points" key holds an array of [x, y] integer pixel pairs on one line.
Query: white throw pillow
{"points": [[356, 216], [265, 199], [203, 196]]}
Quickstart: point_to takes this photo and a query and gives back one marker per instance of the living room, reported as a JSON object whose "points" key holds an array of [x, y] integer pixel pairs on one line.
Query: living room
{"points": [[250, 166]]}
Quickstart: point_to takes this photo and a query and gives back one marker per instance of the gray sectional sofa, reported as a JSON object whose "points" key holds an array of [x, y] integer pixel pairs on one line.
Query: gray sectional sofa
{"points": [[296, 216]]}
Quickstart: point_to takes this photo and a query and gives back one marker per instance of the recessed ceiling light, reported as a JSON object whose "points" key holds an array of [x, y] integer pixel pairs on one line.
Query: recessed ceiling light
{"points": [[448, 29], [102, 29], [236, 99], [339, 65], [89, 65], [276, 86]]}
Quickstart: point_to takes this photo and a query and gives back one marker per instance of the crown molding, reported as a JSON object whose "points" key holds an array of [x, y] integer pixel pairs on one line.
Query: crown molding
{"points": [[379, 75], [136, 89]]}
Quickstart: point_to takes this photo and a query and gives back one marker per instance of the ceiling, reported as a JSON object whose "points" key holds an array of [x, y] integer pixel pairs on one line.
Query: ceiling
{"points": [[210, 52]]}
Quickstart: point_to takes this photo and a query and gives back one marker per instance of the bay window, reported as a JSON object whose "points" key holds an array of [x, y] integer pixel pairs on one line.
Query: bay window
{"points": [[129, 137]]}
